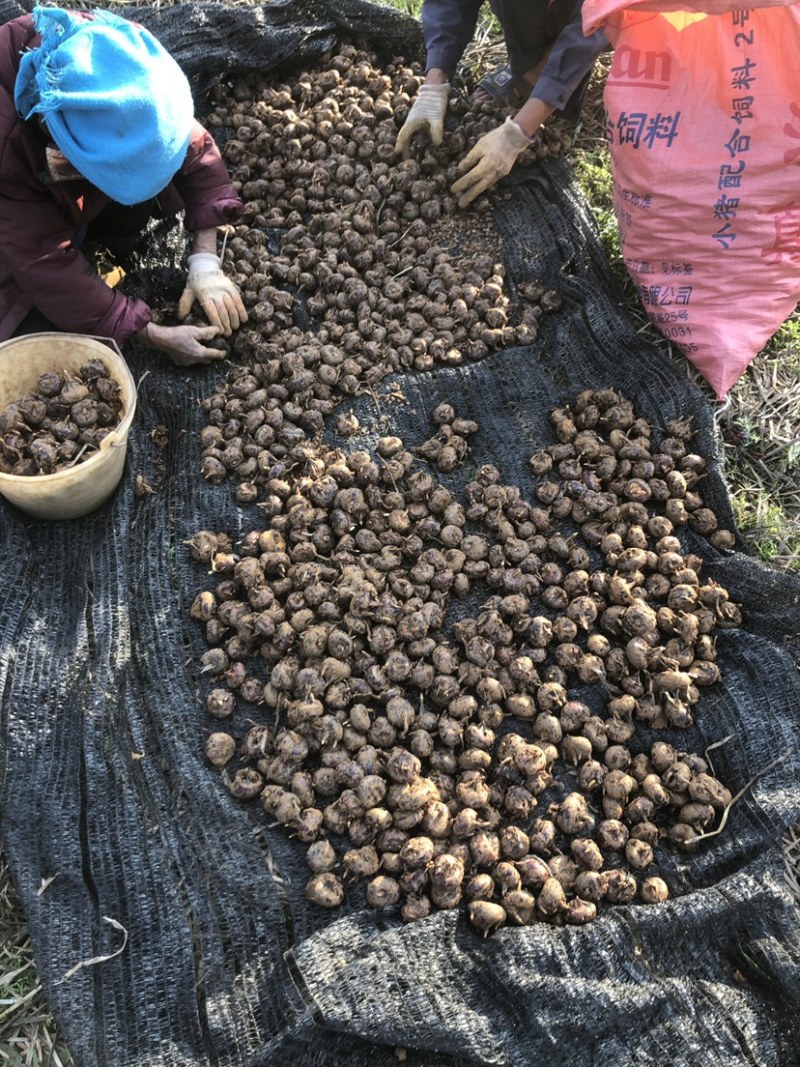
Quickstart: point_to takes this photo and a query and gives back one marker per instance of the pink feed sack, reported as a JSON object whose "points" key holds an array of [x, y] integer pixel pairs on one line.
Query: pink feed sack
{"points": [[703, 124]]}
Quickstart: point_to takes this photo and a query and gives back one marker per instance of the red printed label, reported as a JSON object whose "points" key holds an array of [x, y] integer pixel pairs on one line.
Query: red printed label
{"points": [[636, 66]]}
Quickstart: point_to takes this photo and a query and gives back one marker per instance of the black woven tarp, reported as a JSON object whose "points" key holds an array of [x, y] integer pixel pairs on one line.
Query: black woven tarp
{"points": [[211, 40], [105, 789]]}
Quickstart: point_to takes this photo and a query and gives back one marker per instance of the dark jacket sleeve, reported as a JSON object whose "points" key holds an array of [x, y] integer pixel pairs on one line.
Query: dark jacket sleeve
{"points": [[570, 60], [38, 264], [447, 27], [35, 246], [204, 184]]}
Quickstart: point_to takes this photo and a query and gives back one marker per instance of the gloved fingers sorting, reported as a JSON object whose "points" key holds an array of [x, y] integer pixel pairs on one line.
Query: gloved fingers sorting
{"points": [[426, 115], [471, 186], [225, 310], [217, 295], [185, 303], [489, 160]]}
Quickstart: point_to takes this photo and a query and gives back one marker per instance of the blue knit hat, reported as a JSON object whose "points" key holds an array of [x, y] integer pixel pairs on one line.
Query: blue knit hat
{"points": [[116, 103]]}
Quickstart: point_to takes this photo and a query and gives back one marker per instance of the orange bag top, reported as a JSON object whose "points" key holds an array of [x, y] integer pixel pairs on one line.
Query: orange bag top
{"points": [[597, 13]]}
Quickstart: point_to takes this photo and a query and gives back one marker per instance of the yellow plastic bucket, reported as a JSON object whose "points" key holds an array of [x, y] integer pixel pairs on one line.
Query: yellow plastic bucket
{"points": [[77, 490]]}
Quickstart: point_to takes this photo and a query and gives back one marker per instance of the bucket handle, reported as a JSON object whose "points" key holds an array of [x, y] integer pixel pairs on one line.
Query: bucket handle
{"points": [[110, 441]]}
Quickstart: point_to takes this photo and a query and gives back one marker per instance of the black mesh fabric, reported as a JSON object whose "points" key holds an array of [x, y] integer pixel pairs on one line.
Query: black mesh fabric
{"points": [[105, 789], [214, 40]]}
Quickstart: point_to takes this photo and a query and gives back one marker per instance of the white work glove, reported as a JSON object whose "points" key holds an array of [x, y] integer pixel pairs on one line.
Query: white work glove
{"points": [[490, 159], [427, 113], [216, 294]]}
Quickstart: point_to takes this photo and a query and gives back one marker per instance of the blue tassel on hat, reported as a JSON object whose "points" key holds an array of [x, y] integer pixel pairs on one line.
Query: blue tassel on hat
{"points": [[116, 103]]}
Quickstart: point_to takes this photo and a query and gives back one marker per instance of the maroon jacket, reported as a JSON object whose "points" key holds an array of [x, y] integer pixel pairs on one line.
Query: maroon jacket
{"points": [[39, 218]]}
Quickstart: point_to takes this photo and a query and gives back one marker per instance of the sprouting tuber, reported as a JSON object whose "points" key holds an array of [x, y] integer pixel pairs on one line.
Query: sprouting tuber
{"points": [[464, 770], [60, 424], [375, 261]]}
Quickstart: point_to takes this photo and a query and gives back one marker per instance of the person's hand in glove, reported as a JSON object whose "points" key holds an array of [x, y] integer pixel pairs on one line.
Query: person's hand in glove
{"points": [[217, 295], [490, 160], [426, 114]]}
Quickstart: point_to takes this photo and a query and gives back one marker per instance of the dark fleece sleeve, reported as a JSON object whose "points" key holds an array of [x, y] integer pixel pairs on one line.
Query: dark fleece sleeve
{"points": [[36, 246], [205, 185], [570, 60]]}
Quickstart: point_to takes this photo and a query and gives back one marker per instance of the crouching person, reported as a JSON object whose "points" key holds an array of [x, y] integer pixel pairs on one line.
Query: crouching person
{"points": [[97, 136]]}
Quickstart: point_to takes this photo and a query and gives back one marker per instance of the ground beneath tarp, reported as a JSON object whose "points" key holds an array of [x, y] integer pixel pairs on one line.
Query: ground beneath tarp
{"points": [[105, 790]]}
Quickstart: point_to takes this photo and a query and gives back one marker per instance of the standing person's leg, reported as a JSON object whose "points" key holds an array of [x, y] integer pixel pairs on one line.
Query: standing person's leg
{"points": [[530, 29], [526, 28]]}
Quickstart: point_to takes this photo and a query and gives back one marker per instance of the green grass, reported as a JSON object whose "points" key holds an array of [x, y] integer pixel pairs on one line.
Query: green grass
{"points": [[787, 340], [765, 524], [594, 177], [411, 7], [28, 1035]]}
